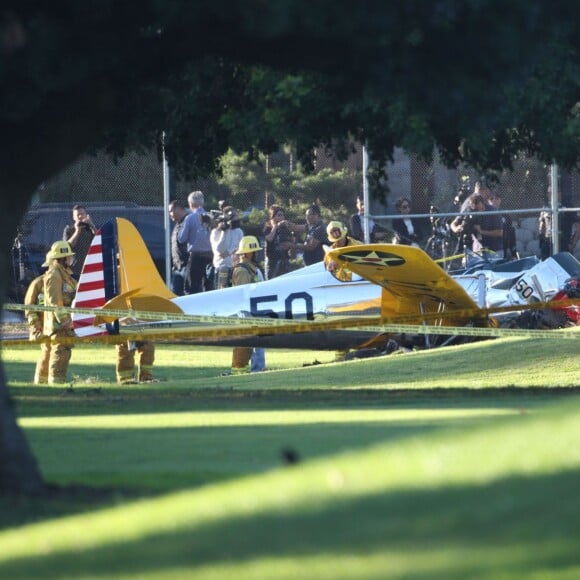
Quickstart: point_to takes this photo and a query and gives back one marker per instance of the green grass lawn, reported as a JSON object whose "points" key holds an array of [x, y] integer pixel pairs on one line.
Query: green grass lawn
{"points": [[461, 462]]}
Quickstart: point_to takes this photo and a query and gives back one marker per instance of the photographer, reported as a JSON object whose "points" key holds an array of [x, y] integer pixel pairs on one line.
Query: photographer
{"points": [[480, 232], [225, 239], [279, 235], [79, 235], [313, 246]]}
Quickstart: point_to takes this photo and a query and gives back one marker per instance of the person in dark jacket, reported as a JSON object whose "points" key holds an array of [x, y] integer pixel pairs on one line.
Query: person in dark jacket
{"points": [[316, 239], [80, 236], [279, 235], [179, 253], [377, 233], [407, 230]]}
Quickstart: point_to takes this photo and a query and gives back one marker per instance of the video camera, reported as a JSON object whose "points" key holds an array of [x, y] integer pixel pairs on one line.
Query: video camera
{"points": [[224, 216]]}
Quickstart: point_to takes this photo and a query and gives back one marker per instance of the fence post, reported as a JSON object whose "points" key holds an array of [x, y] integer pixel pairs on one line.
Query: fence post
{"points": [[366, 229], [166, 224], [554, 203]]}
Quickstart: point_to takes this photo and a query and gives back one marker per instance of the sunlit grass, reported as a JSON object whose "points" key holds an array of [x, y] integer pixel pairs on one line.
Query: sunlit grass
{"points": [[436, 464], [96, 364], [453, 504], [486, 364]]}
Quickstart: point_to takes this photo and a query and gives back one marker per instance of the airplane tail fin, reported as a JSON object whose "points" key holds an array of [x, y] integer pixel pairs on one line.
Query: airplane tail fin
{"points": [[93, 288], [118, 273], [136, 267]]}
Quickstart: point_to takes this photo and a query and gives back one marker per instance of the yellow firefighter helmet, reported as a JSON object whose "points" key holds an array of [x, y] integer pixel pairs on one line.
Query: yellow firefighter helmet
{"points": [[248, 244], [60, 249], [333, 229]]}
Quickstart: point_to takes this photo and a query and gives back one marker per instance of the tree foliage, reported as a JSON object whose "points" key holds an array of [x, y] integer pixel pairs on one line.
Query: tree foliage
{"points": [[246, 178], [252, 178], [328, 187], [479, 79]]}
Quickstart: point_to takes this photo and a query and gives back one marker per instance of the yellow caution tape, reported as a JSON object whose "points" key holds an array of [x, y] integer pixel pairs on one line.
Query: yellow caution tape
{"points": [[478, 313], [307, 326], [457, 256], [142, 315], [216, 332], [449, 258], [183, 327]]}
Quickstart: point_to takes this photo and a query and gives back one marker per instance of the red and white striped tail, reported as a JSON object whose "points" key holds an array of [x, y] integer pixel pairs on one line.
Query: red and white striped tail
{"points": [[90, 291]]}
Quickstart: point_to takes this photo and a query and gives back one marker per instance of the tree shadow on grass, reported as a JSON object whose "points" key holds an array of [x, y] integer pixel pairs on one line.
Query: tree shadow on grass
{"points": [[150, 461], [36, 401], [516, 526], [179, 454], [200, 455]]}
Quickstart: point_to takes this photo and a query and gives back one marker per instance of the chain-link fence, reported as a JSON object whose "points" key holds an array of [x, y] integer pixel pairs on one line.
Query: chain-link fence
{"points": [[436, 192], [134, 188]]}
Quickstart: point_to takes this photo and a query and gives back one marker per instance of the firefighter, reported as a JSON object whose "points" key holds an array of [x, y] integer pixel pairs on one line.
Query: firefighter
{"points": [[125, 366], [35, 319], [246, 271], [336, 232], [59, 290]]}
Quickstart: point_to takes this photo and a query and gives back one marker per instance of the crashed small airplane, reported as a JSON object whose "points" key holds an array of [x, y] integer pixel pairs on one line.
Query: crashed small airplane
{"points": [[393, 282]]}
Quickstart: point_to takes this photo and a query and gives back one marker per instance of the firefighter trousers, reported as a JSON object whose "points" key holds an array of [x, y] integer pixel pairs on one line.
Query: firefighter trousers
{"points": [[59, 359], [42, 364], [125, 367], [241, 359]]}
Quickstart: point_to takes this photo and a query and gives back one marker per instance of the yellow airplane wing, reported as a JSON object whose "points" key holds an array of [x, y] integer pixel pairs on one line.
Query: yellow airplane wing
{"points": [[412, 282]]}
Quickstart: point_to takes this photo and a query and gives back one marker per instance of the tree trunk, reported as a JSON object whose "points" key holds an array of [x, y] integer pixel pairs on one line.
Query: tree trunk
{"points": [[33, 151], [19, 472]]}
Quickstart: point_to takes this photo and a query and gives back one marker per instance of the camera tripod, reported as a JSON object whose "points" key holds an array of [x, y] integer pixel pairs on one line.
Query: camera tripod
{"points": [[21, 273], [439, 245]]}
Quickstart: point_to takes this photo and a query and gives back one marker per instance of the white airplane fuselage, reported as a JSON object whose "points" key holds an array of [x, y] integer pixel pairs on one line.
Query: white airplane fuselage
{"points": [[300, 294], [312, 292], [304, 294]]}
